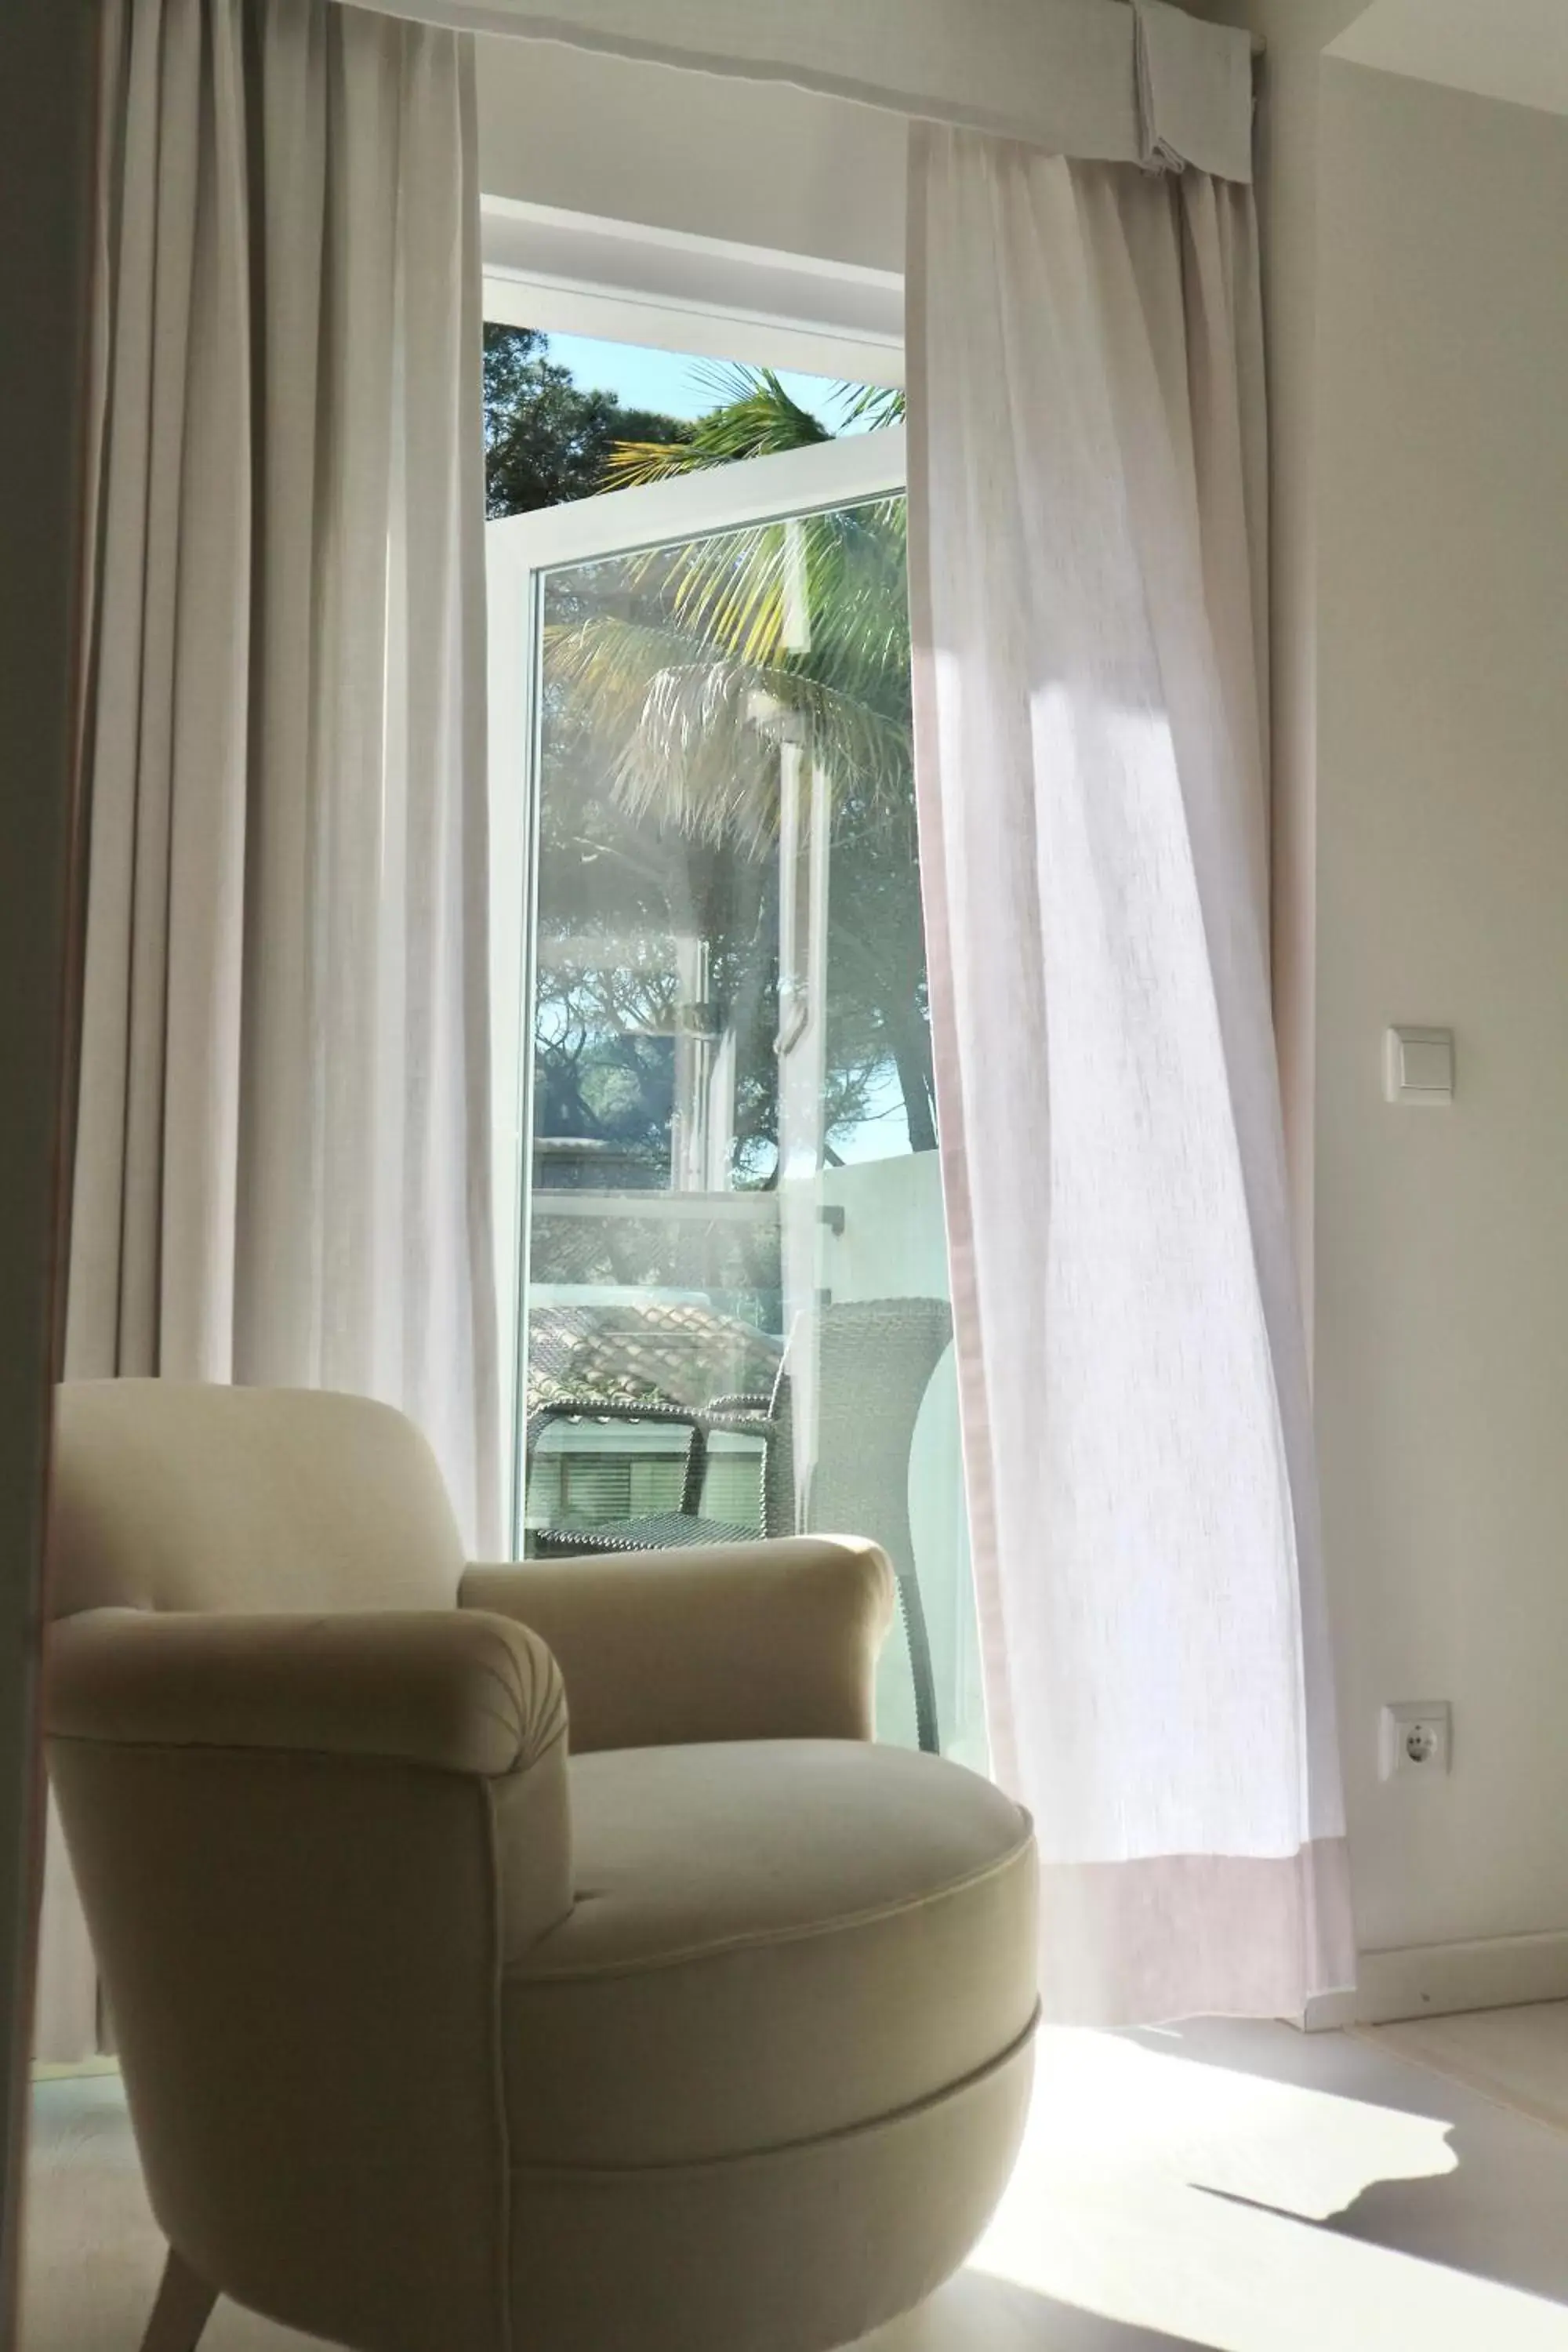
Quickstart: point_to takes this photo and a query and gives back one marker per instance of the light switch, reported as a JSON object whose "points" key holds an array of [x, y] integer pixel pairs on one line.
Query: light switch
{"points": [[1419, 1065]]}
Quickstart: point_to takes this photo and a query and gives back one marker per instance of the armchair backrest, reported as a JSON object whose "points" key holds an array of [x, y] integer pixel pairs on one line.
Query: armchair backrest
{"points": [[173, 1495]]}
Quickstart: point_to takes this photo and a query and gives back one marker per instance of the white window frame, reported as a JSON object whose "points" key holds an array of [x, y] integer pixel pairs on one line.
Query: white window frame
{"points": [[522, 552], [666, 289]]}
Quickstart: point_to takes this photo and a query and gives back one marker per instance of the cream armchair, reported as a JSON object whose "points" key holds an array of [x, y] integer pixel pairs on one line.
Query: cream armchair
{"points": [[705, 2029]]}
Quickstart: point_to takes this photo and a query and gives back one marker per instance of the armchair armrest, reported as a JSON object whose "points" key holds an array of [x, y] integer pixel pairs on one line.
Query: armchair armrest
{"points": [[308, 1846], [749, 1640], [448, 1688]]}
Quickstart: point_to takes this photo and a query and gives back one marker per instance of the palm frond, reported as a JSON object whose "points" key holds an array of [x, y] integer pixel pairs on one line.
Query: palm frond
{"points": [[754, 417], [686, 735], [665, 659], [870, 406], [840, 573]]}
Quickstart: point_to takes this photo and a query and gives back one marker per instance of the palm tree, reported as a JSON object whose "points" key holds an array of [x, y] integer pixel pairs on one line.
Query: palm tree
{"points": [[700, 658]]}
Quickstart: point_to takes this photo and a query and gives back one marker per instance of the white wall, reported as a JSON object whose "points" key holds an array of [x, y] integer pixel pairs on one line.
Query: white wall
{"points": [[1418, 344], [1515, 50], [1442, 887], [757, 162]]}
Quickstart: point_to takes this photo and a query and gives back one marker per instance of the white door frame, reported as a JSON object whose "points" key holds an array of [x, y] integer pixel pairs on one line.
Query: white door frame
{"points": [[721, 497], [520, 551]]}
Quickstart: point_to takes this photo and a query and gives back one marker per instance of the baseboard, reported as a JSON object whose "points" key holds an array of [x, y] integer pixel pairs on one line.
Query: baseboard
{"points": [[1437, 1979], [52, 2070]]}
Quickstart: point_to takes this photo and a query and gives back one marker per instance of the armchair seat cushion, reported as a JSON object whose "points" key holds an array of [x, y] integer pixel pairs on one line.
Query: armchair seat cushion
{"points": [[773, 1941]]}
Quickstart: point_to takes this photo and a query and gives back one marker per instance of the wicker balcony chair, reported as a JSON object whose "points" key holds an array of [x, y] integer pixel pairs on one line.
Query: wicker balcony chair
{"points": [[875, 1363]]}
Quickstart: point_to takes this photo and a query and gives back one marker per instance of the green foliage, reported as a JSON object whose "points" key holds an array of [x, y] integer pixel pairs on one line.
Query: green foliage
{"points": [[547, 440], [753, 416], [671, 680], [695, 662]]}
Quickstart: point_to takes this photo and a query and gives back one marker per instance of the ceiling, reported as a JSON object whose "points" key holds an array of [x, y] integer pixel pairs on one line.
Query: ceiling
{"points": [[1515, 50]]}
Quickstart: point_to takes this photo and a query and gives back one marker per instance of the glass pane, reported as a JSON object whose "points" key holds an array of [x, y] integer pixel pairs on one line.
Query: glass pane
{"points": [[736, 1288]]}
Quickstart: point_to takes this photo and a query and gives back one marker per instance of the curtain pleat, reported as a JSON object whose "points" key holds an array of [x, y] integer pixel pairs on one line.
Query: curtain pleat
{"points": [[1087, 518], [283, 1160], [282, 1167]]}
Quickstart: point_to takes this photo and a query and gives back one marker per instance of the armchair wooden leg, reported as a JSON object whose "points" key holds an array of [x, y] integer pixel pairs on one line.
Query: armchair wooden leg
{"points": [[184, 2306]]}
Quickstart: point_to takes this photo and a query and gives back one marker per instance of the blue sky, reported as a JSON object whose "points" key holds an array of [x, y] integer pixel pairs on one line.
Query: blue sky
{"points": [[671, 382]]}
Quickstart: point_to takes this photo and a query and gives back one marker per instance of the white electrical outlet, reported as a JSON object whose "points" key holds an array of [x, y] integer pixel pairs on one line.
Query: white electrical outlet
{"points": [[1415, 1735]]}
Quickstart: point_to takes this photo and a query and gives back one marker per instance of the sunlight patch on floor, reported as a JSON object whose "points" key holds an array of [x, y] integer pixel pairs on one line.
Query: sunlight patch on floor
{"points": [[1128, 2201]]}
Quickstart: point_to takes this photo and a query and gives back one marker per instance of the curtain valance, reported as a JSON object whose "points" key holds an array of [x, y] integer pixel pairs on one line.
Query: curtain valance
{"points": [[1125, 81]]}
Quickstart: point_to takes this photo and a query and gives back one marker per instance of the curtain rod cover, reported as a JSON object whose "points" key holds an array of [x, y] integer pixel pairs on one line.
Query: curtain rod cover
{"points": [[1096, 80]]}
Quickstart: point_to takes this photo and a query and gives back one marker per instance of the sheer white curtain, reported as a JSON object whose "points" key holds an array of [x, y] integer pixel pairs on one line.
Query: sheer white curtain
{"points": [[282, 1163], [1087, 560]]}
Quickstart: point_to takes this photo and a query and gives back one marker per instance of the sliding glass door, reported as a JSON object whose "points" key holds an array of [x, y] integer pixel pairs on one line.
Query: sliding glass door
{"points": [[725, 1276]]}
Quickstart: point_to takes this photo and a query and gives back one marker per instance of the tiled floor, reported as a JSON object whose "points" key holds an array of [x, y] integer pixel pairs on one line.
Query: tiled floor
{"points": [[1234, 2186]]}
